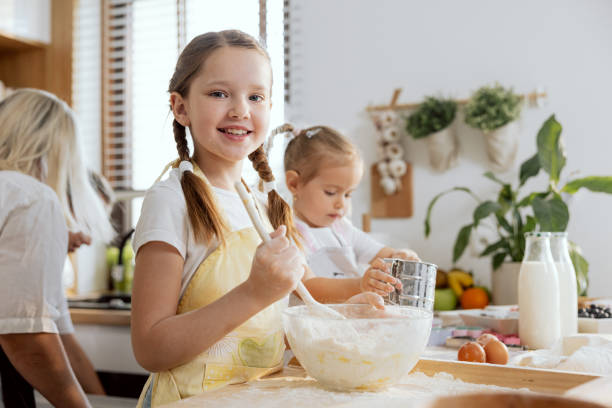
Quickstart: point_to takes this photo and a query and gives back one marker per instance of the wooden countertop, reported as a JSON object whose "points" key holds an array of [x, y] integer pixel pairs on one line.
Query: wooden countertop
{"points": [[292, 387], [100, 316]]}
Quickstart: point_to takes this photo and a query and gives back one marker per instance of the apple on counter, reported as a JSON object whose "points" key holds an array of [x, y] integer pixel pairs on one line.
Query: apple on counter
{"points": [[457, 287], [445, 299]]}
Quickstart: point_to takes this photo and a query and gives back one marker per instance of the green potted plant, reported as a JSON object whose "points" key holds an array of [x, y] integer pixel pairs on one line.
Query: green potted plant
{"points": [[432, 120], [494, 110], [515, 213]]}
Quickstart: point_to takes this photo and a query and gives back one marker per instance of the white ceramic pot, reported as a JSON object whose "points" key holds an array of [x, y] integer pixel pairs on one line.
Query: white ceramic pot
{"points": [[443, 149], [502, 145], [504, 282]]}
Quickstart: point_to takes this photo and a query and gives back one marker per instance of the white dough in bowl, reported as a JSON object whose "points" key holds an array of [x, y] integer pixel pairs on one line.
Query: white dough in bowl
{"points": [[363, 352]]}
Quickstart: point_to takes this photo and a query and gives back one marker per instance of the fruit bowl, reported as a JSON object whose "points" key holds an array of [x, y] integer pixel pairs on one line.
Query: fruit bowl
{"points": [[368, 350]]}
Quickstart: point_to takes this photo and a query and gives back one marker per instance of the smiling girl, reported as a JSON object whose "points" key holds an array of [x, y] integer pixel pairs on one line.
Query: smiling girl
{"points": [[208, 295]]}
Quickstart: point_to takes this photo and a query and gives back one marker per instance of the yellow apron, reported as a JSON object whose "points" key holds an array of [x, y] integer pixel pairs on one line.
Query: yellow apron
{"points": [[251, 351]]}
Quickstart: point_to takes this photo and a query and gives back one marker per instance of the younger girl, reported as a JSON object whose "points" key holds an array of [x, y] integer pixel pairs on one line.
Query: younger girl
{"points": [[207, 297], [322, 169]]}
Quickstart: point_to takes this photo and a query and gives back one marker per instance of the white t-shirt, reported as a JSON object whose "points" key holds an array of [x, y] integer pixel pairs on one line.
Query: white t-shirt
{"points": [[164, 218], [33, 248], [357, 244]]}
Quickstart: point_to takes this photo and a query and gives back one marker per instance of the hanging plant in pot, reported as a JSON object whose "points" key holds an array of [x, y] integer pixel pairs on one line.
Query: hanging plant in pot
{"points": [[494, 111], [514, 213], [432, 121]]}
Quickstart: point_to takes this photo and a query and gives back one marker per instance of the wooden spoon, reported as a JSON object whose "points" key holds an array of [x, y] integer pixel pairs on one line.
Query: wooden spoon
{"points": [[315, 307]]}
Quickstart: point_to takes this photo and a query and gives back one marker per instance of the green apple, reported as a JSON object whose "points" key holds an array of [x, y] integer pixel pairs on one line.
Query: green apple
{"points": [[445, 299]]}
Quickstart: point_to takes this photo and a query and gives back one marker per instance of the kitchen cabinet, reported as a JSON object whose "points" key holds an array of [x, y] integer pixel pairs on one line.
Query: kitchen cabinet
{"points": [[35, 63], [105, 337], [108, 347], [29, 19]]}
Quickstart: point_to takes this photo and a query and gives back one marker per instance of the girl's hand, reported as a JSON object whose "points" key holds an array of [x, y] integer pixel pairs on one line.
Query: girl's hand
{"points": [[377, 279], [368, 298], [277, 268], [407, 254], [76, 239]]}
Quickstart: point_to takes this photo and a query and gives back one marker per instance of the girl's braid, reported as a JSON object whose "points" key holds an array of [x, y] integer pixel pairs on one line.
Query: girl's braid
{"points": [[180, 137], [201, 208], [279, 212]]}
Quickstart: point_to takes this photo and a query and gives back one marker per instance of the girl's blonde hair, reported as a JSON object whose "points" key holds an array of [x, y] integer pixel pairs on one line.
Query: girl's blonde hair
{"points": [[203, 213], [315, 147], [38, 137]]}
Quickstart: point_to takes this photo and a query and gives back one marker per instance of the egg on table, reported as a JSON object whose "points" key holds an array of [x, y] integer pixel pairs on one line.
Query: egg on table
{"points": [[483, 339], [496, 351], [473, 352]]}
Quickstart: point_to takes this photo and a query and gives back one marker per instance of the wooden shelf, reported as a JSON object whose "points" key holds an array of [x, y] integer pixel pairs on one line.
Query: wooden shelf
{"points": [[533, 98], [12, 43]]}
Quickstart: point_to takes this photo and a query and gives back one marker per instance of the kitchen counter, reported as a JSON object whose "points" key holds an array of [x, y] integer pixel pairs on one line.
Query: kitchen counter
{"points": [[106, 317], [107, 309]]}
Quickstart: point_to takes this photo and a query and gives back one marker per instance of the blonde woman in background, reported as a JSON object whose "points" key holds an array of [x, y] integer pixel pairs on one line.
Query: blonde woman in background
{"points": [[44, 192]]}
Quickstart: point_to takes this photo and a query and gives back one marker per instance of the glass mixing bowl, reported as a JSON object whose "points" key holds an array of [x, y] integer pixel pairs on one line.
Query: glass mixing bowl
{"points": [[369, 350]]}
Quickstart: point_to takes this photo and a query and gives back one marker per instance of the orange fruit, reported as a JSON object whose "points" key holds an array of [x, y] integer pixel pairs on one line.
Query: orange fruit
{"points": [[474, 298]]}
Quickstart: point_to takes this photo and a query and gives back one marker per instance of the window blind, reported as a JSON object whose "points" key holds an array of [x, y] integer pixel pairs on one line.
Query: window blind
{"points": [[116, 92], [141, 40], [86, 79]]}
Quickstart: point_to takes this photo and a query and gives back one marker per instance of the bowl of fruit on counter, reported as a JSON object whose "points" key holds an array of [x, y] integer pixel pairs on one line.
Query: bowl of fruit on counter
{"points": [[456, 288]]}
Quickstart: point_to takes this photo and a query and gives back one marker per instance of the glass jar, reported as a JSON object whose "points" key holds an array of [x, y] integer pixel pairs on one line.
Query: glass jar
{"points": [[568, 293], [538, 293]]}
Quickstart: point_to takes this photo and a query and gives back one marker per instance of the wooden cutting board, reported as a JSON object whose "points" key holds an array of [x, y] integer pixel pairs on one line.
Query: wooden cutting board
{"points": [[292, 388], [398, 205]]}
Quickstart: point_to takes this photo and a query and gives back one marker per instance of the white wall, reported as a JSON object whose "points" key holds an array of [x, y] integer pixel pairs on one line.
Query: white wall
{"points": [[348, 54]]}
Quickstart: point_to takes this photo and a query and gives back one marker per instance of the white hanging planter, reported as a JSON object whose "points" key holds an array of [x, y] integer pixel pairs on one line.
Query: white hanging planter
{"points": [[502, 145], [504, 283], [443, 148]]}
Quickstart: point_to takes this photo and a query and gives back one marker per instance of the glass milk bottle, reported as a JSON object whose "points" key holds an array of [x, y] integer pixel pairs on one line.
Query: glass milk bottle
{"points": [[568, 293], [538, 293]]}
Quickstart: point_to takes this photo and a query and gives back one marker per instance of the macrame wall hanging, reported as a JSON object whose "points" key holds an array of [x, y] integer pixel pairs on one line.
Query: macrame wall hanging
{"points": [[391, 185]]}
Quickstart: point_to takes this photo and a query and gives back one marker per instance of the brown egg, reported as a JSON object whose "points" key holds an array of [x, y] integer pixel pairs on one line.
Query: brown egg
{"points": [[483, 339], [496, 351], [473, 352]]}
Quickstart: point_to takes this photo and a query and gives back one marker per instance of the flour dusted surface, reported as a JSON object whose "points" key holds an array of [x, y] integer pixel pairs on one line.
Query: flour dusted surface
{"points": [[413, 391]]}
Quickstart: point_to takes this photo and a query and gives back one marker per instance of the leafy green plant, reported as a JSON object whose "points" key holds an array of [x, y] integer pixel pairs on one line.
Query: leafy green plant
{"points": [[433, 115], [492, 107], [516, 214]]}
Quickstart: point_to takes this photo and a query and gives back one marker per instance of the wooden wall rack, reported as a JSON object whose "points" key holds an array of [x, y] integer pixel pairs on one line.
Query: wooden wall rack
{"points": [[533, 98]]}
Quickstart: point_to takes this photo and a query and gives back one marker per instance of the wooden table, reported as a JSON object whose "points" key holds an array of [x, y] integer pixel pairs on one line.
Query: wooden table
{"points": [[293, 388]]}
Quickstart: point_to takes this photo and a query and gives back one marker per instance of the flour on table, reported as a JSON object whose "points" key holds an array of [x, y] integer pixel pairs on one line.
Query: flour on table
{"points": [[413, 391]]}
